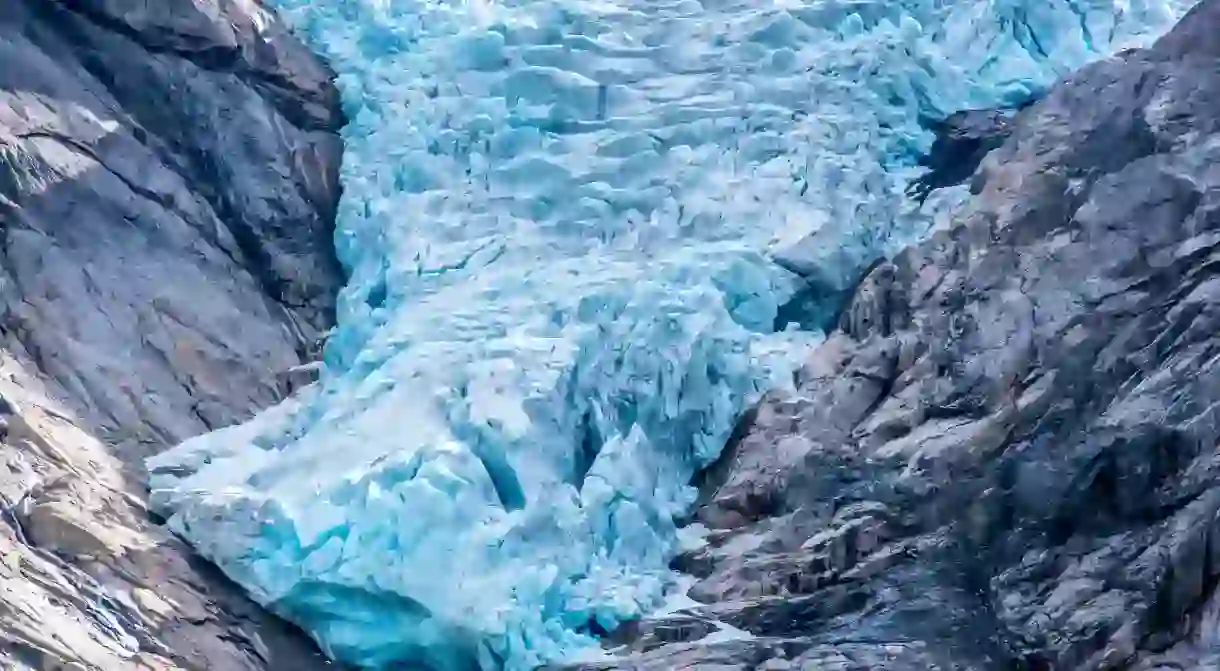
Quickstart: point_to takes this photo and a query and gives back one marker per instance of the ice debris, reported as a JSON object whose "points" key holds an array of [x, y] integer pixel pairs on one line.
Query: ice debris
{"points": [[560, 219]]}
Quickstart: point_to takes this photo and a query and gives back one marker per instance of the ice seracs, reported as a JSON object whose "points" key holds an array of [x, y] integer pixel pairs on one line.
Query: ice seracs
{"points": [[561, 220]]}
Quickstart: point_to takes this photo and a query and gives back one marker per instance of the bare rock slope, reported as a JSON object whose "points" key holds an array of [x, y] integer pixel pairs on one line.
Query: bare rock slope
{"points": [[1006, 457], [168, 179]]}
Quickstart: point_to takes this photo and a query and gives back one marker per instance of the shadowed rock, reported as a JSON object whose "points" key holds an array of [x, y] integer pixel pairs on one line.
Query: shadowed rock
{"points": [[962, 141]]}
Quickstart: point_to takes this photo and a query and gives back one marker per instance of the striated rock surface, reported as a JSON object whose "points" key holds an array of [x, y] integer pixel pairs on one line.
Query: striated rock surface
{"points": [[1006, 455], [168, 180]]}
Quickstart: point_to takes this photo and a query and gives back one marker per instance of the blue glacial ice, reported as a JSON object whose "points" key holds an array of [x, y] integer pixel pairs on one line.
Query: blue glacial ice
{"points": [[560, 220]]}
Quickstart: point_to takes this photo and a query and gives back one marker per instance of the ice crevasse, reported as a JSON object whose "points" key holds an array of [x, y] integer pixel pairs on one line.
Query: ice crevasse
{"points": [[565, 223]]}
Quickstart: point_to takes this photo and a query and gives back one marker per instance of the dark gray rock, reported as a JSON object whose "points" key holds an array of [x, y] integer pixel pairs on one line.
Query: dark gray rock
{"points": [[168, 184], [1005, 457], [167, 190], [962, 141]]}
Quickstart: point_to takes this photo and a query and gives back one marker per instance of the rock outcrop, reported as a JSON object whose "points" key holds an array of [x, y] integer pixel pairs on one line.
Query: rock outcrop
{"points": [[168, 181], [1005, 457]]}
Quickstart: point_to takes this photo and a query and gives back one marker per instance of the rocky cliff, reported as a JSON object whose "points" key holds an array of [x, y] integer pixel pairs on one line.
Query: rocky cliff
{"points": [[1005, 457], [168, 178]]}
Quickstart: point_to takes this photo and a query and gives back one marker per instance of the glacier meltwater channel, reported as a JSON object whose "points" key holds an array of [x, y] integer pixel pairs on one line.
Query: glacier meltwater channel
{"points": [[561, 220]]}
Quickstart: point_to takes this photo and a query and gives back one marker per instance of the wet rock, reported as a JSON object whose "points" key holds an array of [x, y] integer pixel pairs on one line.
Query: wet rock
{"points": [[1005, 456]]}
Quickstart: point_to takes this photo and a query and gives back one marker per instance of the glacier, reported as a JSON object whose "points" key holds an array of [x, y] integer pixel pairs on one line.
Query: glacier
{"points": [[562, 222]]}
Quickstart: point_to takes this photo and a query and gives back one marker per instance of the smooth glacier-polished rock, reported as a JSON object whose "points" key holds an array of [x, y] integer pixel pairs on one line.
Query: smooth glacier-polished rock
{"points": [[570, 228]]}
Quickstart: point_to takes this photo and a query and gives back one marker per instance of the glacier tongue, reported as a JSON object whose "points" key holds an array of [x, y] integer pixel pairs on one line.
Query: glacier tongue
{"points": [[559, 220]]}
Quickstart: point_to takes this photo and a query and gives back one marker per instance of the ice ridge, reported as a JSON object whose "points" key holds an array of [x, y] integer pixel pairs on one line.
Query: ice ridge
{"points": [[560, 220]]}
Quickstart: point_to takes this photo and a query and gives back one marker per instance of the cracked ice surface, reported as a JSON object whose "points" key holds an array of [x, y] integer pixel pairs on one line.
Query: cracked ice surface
{"points": [[559, 218]]}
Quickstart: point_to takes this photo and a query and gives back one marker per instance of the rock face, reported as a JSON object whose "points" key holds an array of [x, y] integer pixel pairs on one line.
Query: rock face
{"points": [[1006, 455], [168, 180]]}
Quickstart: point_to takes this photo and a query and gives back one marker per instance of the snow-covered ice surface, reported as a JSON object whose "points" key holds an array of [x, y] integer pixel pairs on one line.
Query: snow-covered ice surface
{"points": [[559, 218]]}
